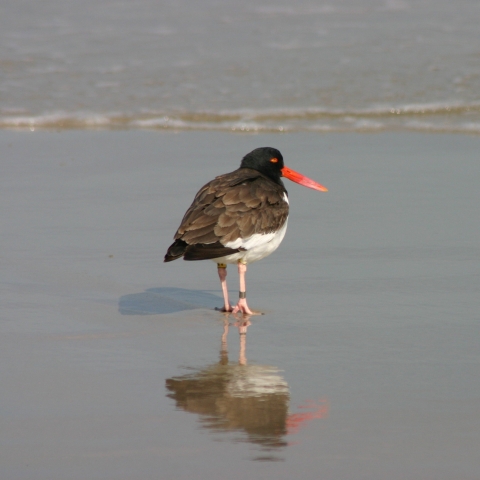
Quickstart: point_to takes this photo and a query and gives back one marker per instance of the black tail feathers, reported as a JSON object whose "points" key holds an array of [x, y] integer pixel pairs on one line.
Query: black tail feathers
{"points": [[199, 251], [176, 250]]}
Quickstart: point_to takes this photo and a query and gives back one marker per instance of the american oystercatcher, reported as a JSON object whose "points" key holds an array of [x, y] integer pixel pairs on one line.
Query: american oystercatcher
{"points": [[239, 217]]}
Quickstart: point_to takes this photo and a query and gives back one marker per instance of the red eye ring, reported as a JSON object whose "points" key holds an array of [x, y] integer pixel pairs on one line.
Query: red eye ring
{"points": [[274, 160]]}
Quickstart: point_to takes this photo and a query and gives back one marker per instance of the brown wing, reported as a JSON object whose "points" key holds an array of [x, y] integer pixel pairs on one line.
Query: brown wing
{"points": [[238, 204]]}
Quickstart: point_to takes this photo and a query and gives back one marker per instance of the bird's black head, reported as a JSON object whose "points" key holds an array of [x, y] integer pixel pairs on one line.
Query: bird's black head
{"points": [[266, 160]]}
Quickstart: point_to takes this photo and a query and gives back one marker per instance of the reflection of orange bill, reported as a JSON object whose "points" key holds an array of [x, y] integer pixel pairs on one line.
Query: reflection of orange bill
{"points": [[297, 421]]}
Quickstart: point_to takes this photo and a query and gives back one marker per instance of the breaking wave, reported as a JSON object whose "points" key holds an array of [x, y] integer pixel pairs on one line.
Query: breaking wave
{"points": [[435, 117]]}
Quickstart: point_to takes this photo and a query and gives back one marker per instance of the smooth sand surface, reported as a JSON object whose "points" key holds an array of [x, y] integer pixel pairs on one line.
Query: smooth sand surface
{"points": [[365, 365]]}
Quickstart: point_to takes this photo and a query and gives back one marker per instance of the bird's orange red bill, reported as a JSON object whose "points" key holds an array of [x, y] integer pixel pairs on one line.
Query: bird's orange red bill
{"points": [[302, 179]]}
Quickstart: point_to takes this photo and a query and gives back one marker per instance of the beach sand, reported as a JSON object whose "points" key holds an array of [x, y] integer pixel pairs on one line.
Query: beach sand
{"points": [[367, 357]]}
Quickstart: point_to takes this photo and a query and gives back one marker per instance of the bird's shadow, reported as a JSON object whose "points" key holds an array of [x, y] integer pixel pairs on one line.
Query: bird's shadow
{"points": [[163, 300]]}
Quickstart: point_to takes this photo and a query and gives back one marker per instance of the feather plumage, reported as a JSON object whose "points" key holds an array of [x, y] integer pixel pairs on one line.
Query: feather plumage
{"points": [[237, 205]]}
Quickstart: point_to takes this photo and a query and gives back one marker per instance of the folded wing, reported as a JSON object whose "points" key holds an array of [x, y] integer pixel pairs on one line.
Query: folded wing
{"points": [[228, 215]]}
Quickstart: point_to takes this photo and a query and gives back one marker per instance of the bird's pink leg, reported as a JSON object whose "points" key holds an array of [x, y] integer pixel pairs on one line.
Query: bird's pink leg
{"points": [[222, 273], [242, 301]]}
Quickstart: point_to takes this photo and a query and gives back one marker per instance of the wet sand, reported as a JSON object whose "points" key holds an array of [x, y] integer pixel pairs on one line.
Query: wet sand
{"points": [[365, 364]]}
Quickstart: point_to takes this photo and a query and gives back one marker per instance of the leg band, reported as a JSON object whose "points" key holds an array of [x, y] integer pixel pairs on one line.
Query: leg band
{"points": [[242, 261], [242, 294], [221, 265]]}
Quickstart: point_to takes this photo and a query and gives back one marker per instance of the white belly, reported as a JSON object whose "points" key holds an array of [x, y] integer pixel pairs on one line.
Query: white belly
{"points": [[256, 247]]}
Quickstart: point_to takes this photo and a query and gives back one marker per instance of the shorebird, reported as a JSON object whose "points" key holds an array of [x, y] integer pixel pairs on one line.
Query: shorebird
{"points": [[239, 218]]}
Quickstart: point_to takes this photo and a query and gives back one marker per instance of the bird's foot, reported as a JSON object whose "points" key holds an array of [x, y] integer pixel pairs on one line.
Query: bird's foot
{"points": [[242, 307], [224, 309]]}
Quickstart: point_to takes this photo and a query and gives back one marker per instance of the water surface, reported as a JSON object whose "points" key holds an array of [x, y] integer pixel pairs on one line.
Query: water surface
{"points": [[347, 65]]}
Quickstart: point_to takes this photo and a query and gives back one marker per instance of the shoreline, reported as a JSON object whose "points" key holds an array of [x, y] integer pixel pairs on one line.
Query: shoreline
{"points": [[371, 310]]}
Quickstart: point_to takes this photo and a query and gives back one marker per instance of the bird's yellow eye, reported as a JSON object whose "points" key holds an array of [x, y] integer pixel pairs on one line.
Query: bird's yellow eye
{"points": [[274, 160]]}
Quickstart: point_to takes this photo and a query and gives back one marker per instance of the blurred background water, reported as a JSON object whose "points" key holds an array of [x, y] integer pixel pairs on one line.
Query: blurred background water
{"points": [[268, 65]]}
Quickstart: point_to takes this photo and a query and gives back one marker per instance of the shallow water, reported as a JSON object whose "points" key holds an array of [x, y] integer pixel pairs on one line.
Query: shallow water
{"points": [[347, 65], [115, 365]]}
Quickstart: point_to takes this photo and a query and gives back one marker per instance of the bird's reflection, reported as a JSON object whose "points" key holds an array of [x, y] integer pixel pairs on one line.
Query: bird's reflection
{"points": [[238, 397]]}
